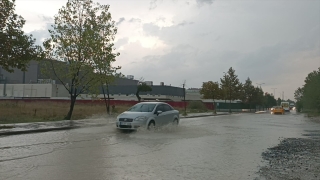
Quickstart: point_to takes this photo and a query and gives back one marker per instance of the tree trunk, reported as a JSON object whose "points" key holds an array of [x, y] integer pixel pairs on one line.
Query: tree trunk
{"points": [[230, 101], [137, 94], [108, 107], [72, 103], [104, 97]]}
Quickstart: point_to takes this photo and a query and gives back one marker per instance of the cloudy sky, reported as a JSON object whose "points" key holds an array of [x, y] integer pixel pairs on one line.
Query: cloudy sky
{"points": [[172, 41]]}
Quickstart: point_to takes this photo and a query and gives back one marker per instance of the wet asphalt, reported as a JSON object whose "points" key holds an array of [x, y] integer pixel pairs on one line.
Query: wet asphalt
{"points": [[219, 147]]}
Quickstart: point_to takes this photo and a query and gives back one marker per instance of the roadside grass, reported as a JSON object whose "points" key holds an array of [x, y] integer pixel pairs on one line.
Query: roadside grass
{"points": [[311, 113], [25, 112], [194, 107]]}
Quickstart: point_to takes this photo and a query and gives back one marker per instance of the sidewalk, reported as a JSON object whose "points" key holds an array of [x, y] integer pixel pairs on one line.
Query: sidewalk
{"points": [[24, 128]]}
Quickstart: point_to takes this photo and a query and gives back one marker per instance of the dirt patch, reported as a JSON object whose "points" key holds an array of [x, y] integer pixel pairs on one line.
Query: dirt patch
{"points": [[294, 159]]}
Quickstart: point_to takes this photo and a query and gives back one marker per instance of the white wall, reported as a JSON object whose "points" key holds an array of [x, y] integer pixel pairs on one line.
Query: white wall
{"points": [[34, 90]]}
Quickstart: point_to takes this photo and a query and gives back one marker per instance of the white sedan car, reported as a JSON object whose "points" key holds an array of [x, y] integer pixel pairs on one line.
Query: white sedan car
{"points": [[149, 115]]}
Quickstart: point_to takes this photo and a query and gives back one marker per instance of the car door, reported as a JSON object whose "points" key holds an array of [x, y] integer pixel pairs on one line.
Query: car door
{"points": [[168, 114], [160, 118]]}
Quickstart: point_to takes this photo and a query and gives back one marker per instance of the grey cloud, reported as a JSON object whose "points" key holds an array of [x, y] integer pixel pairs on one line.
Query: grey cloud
{"points": [[268, 63], [40, 34], [205, 33], [151, 29], [257, 43], [185, 23], [202, 2], [120, 20], [163, 19], [46, 18], [121, 42], [153, 5], [133, 20], [217, 39]]}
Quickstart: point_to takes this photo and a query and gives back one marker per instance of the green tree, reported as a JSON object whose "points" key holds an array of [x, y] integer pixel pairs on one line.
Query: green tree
{"points": [[248, 93], [142, 87], [279, 101], [298, 96], [16, 48], [104, 55], [311, 92], [81, 33], [211, 90], [258, 96], [269, 101], [108, 79], [231, 86]]}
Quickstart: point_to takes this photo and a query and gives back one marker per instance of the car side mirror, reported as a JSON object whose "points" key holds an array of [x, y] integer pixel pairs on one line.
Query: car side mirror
{"points": [[158, 112]]}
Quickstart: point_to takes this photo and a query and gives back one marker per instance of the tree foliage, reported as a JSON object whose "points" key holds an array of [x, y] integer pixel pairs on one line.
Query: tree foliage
{"points": [[142, 87], [298, 96], [279, 101], [16, 48], [210, 90], [269, 101], [231, 86], [258, 96], [80, 47], [308, 97], [247, 92]]}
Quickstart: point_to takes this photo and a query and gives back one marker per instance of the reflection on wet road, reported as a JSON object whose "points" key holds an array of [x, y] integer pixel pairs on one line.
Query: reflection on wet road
{"points": [[222, 147]]}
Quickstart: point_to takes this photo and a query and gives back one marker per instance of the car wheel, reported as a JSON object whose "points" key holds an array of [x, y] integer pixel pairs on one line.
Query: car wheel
{"points": [[151, 125], [175, 122]]}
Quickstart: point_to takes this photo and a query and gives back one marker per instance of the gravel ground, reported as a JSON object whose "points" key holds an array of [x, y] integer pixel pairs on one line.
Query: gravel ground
{"points": [[294, 159]]}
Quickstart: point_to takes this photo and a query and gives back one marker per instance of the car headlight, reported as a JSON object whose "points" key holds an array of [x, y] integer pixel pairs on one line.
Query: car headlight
{"points": [[140, 118]]}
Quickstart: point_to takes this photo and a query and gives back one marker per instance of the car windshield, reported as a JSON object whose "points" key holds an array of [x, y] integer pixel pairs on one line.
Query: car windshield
{"points": [[142, 108]]}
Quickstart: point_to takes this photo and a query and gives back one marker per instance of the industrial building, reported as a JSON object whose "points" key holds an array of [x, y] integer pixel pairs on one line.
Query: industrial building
{"points": [[33, 84]]}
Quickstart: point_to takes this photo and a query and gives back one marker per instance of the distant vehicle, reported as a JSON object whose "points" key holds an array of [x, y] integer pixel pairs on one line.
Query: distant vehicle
{"points": [[285, 106], [277, 110], [149, 115], [291, 106]]}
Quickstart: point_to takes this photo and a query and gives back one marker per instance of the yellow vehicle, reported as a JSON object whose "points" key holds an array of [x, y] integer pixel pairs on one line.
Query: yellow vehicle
{"points": [[277, 110]]}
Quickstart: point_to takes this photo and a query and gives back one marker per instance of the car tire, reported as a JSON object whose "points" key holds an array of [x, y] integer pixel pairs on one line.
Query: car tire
{"points": [[175, 122], [151, 125]]}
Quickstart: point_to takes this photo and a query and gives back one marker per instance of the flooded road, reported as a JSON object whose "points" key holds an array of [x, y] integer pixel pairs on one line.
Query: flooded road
{"points": [[221, 147]]}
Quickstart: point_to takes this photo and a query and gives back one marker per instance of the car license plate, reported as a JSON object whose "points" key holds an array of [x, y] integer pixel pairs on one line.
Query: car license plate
{"points": [[124, 123]]}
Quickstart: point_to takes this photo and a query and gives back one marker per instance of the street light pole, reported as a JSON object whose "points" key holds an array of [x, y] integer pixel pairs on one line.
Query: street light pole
{"points": [[260, 84], [274, 92]]}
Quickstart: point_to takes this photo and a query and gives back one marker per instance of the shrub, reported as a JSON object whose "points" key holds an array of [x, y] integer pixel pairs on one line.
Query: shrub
{"points": [[197, 106]]}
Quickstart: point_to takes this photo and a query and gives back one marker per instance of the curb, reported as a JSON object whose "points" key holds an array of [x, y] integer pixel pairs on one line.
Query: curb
{"points": [[37, 130]]}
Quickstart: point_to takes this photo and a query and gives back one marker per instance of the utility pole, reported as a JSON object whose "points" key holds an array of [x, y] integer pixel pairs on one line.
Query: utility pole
{"points": [[4, 79], [184, 97], [274, 92], [23, 77]]}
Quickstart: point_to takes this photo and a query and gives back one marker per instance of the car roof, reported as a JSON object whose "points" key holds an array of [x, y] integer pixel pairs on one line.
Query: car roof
{"points": [[152, 103]]}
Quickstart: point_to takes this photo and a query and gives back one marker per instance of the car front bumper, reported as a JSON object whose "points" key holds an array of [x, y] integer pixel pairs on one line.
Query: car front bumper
{"points": [[129, 125]]}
